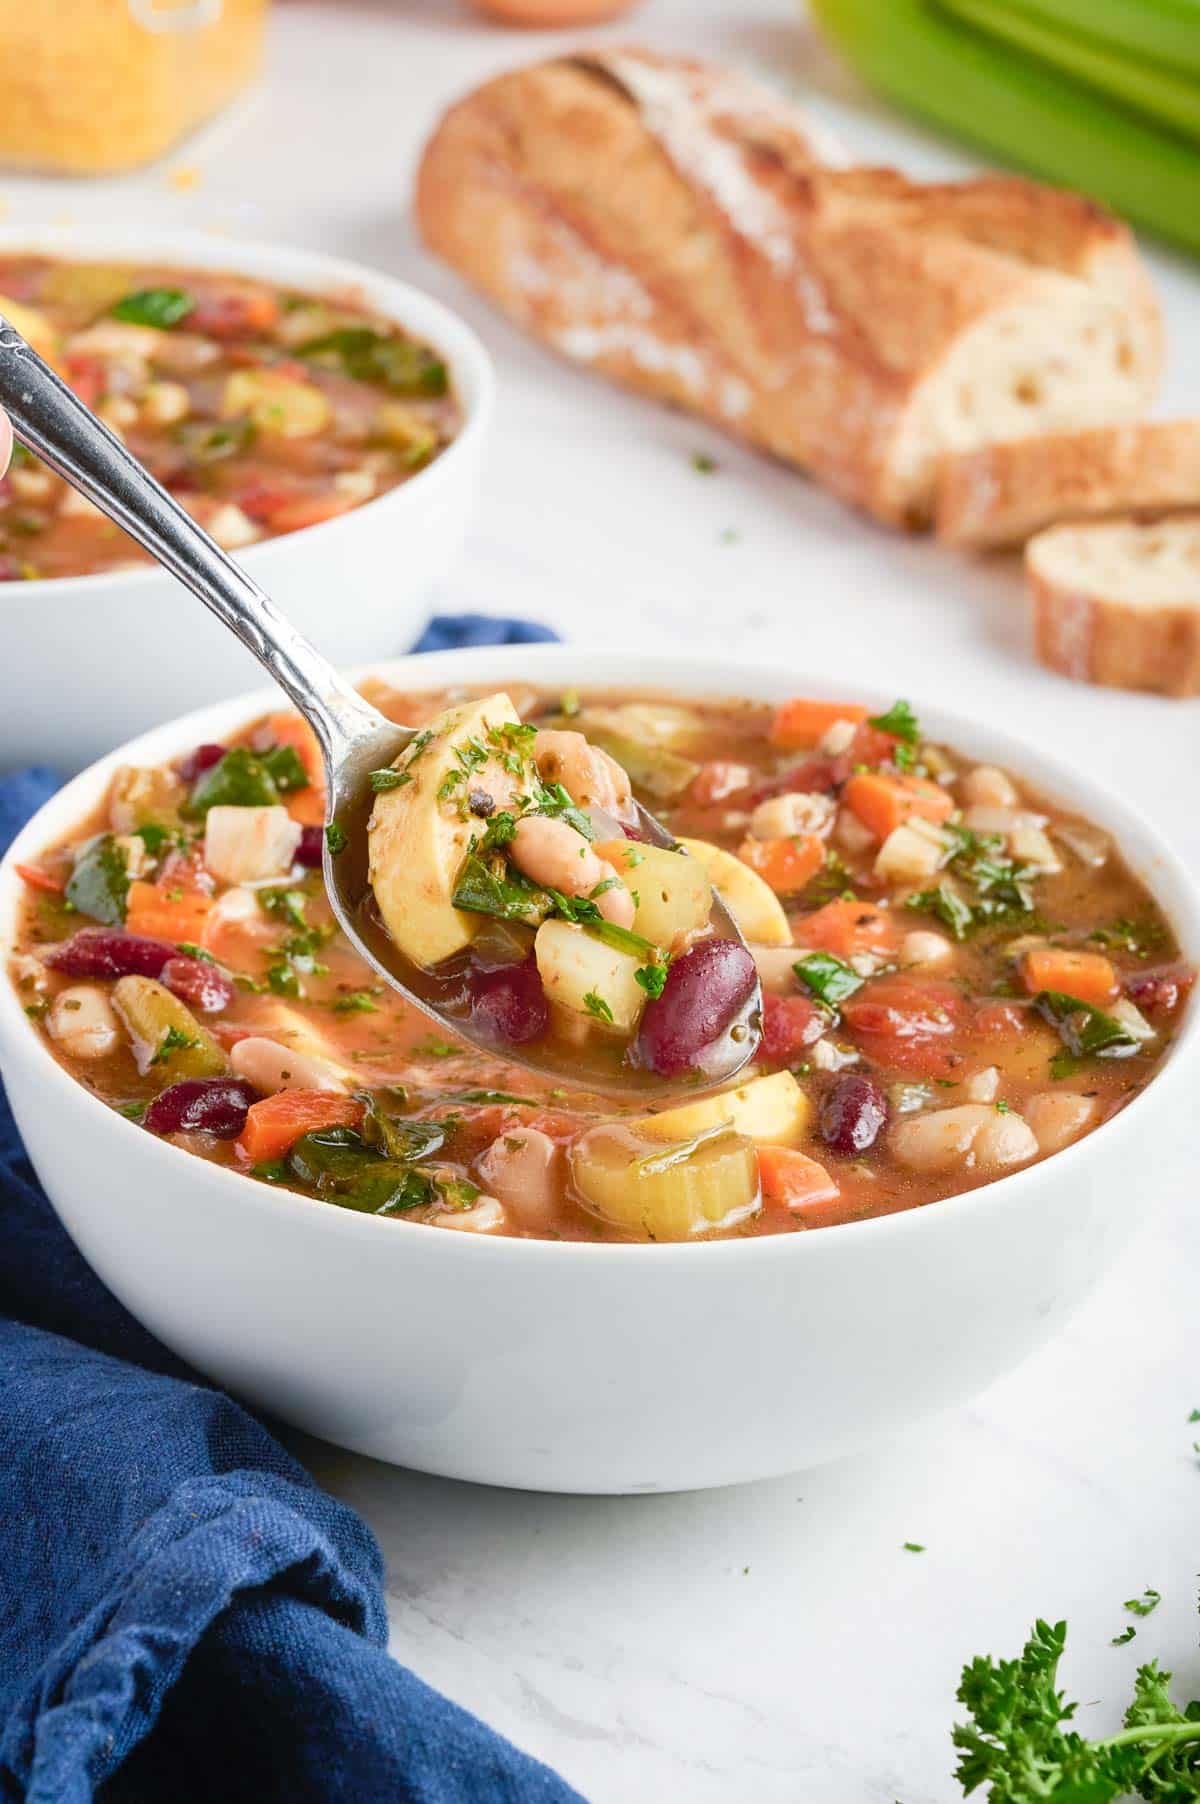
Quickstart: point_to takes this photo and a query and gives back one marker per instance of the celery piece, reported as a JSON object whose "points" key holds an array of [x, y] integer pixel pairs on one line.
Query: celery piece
{"points": [[932, 65], [1168, 99]]}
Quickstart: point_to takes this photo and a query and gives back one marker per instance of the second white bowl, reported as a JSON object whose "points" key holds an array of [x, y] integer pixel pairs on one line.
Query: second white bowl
{"points": [[88, 660]]}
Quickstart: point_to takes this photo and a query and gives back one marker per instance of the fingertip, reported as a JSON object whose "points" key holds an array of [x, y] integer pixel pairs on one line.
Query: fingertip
{"points": [[6, 442]]}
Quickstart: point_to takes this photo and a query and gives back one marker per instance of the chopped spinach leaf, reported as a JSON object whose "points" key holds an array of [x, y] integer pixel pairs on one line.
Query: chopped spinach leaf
{"points": [[239, 779], [99, 884], [398, 364], [1086, 1032], [484, 890], [160, 307], [286, 768], [827, 978]]}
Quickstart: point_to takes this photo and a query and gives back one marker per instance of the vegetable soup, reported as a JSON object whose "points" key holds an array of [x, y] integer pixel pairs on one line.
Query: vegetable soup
{"points": [[262, 409], [958, 977]]}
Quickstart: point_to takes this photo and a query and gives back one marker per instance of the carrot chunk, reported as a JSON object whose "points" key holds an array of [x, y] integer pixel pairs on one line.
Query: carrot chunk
{"points": [[791, 1180], [304, 805], [801, 722], [883, 800], [1087, 975], [164, 912], [786, 864], [274, 1125], [36, 878], [308, 510], [847, 927]]}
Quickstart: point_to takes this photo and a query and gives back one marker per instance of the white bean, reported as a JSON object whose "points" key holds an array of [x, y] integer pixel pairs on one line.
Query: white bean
{"points": [[924, 949], [776, 967], [987, 787], [1059, 1116], [83, 1022], [166, 403], [972, 1136], [522, 1168], [484, 1216], [551, 851], [271, 1067], [591, 778], [781, 817]]}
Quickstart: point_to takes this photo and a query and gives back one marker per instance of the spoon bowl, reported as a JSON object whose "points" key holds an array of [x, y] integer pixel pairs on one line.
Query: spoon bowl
{"points": [[355, 739]]}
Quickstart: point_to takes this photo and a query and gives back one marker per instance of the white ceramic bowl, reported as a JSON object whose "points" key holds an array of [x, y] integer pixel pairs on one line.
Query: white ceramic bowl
{"points": [[578, 1367], [90, 660]]}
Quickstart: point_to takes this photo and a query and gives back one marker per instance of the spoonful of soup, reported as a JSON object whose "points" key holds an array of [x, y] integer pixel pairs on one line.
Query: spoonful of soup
{"points": [[502, 877]]}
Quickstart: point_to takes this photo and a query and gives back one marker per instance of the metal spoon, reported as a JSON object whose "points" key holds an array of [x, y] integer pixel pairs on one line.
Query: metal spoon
{"points": [[355, 738]]}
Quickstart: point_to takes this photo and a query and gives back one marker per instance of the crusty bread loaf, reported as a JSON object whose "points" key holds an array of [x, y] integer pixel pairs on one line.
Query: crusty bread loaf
{"points": [[681, 229], [1002, 494], [1118, 603]]}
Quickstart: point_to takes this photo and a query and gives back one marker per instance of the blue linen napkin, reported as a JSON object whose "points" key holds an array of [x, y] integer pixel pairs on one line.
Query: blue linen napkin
{"points": [[183, 1614]]}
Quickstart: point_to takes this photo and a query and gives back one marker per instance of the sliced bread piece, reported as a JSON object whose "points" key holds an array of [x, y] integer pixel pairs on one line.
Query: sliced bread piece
{"points": [[1002, 494], [679, 228], [1118, 603]]}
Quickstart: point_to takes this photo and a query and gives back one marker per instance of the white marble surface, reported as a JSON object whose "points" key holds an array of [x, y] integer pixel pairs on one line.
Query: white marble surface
{"points": [[774, 1643]]}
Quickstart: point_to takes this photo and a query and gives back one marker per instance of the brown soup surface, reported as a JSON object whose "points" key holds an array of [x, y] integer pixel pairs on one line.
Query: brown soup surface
{"points": [[959, 978], [263, 409]]}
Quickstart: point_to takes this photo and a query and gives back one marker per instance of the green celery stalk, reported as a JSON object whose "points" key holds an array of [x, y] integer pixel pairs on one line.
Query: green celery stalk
{"points": [[1159, 31], [932, 65], [1169, 99]]}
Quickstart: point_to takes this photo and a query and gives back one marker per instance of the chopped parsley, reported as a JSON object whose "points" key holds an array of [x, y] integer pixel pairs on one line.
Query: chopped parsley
{"points": [[381, 780], [652, 978], [597, 1007], [899, 721], [702, 462], [913, 1546], [335, 838], [174, 1040], [1144, 1605], [1020, 1740], [356, 1002], [947, 905], [1127, 1634]]}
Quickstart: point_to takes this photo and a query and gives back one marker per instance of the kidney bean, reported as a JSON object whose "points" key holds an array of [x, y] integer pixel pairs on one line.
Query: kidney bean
{"points": [[202, 759], [201, 985], [212, 1105], [1161, 989], [854, 1113], [509, 1002], [704, 992], [311, 848], [107, 952]]}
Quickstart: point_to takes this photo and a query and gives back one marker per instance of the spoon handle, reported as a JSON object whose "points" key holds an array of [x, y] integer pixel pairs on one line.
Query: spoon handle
{"points": [[52, 421]]}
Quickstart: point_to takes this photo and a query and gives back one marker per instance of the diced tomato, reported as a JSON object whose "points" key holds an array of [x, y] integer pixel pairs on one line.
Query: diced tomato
{"points": [[1161, 989], [847, 927], [716, 782], [786, 864], [1087, 975], [87, 377], [241, 312], [790, 1023], [801, 722], [884, 800], [38, 879], [996, 1016], [262, 499], [909, 1024]]}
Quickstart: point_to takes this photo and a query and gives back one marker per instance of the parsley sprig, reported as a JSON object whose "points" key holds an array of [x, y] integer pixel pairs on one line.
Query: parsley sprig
{"points": [[1020, 1742]]}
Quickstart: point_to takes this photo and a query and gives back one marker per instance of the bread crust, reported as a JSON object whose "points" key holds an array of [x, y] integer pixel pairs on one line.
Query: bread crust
{"points": [[680, 229], [1002, 494], [1109, 639]]}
